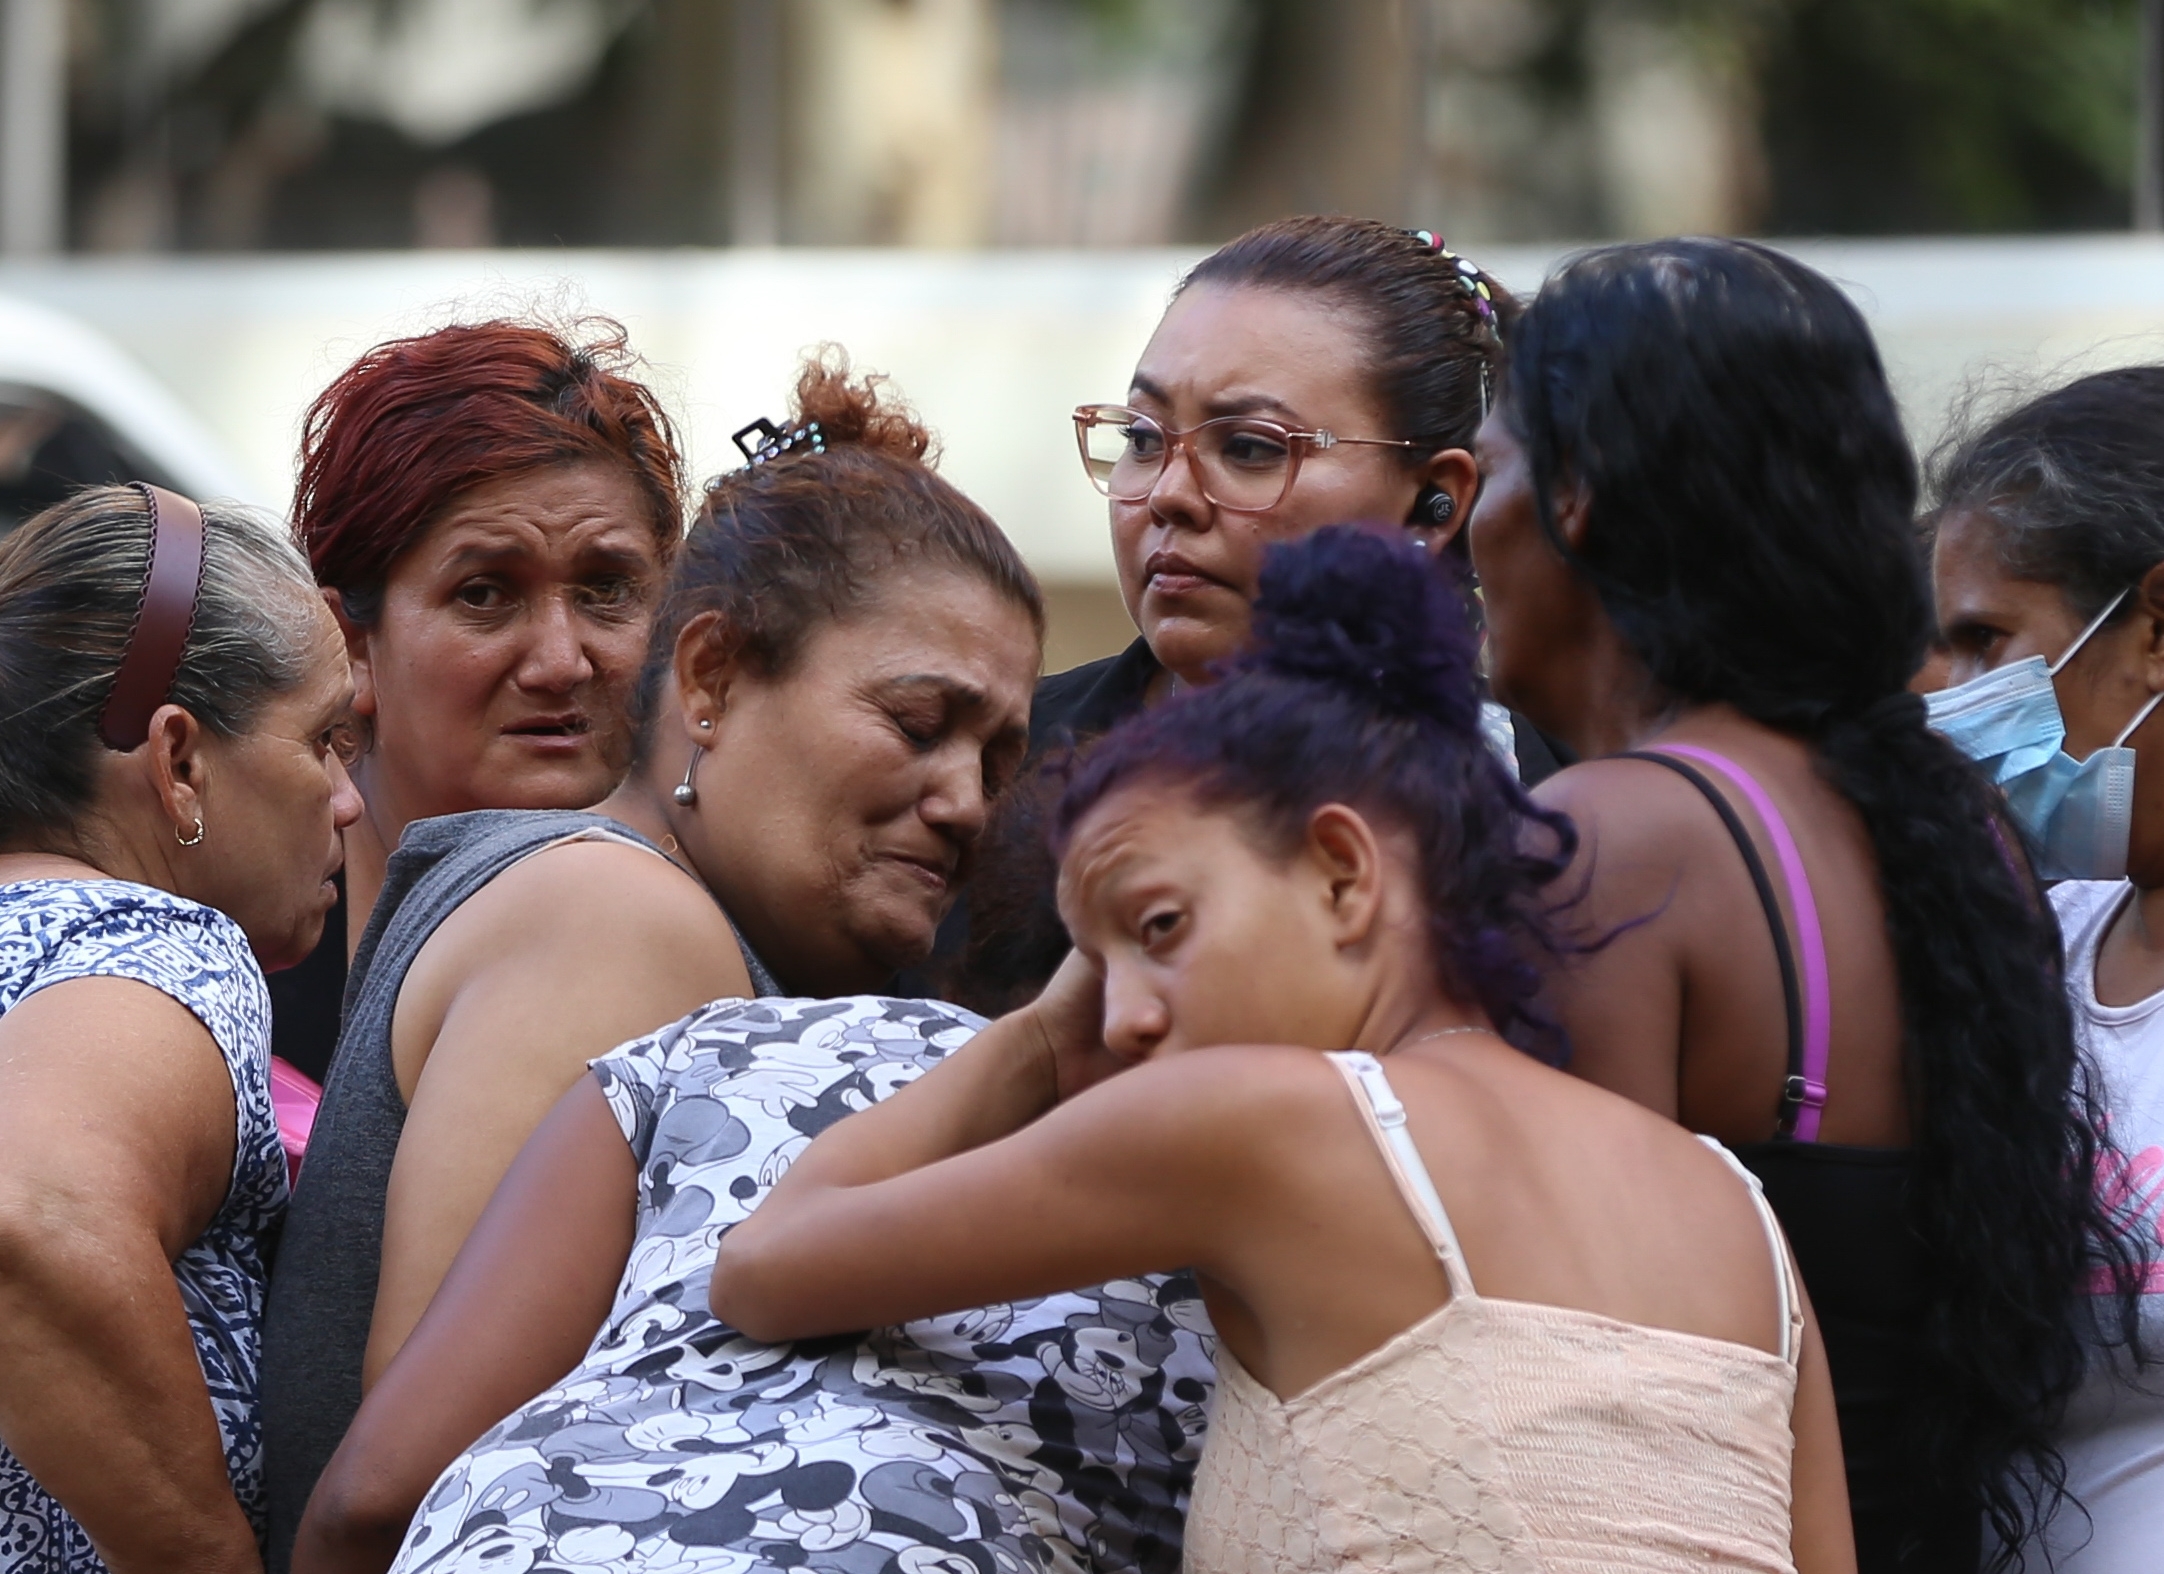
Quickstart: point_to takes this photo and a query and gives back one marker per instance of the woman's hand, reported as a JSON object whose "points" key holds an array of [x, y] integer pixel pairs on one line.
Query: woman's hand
{"points": [[1070, 1017]]}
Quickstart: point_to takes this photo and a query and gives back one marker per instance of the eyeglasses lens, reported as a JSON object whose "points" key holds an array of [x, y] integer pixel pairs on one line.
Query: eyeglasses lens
{"points": [[1243, 464]]}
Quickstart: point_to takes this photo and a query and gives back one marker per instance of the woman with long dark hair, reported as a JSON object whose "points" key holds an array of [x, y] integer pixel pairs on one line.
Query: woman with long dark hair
{"points": [[1695, 542]]}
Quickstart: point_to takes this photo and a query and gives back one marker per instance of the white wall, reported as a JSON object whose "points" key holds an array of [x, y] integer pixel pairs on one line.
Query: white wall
{"points": [[994, 347]]}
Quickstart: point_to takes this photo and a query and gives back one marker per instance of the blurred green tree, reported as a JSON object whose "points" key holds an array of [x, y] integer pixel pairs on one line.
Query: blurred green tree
{"points": [[1919, 116]]}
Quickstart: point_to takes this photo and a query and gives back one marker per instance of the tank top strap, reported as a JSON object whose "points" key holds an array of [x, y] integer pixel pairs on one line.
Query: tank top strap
{"points": [[1378, 1104], [1784, 1264], [1803, 1100]]}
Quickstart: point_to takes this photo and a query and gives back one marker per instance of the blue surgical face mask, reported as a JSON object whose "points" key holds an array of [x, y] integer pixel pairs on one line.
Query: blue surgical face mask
{"points": [[2079, 813]]}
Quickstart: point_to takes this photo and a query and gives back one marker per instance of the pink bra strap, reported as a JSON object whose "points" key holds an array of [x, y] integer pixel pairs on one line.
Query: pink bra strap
{"points": [[1817, 993]]}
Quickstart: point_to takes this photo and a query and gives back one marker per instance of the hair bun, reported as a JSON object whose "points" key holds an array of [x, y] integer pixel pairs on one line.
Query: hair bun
{"points": [[1350, 605], [861, 412]]}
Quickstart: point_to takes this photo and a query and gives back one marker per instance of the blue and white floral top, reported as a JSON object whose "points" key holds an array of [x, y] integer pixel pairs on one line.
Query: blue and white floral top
{"points": [[1054, 1436], [55, 930]]}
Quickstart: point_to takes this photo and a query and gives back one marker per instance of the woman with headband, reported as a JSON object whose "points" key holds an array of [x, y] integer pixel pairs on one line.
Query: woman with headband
{"points": [[172, 691], [1315, 371]]}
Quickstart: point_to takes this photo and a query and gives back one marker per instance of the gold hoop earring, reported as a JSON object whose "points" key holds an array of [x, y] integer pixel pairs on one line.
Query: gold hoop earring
{"points": [[190, 841]]}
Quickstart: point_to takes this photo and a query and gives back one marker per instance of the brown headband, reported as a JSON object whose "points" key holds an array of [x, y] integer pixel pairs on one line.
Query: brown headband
{"points": [[171, 585]]}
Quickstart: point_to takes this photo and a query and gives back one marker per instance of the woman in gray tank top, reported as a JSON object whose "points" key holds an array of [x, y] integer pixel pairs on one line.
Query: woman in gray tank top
{"points": [[838, 685]]}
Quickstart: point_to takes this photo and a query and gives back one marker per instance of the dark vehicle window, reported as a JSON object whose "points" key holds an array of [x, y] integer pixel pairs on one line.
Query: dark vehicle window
{"points": [[50, 447]]}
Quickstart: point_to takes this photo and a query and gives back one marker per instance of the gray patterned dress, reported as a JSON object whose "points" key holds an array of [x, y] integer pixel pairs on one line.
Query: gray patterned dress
{"points": [[1052, 1434], [55, 930]]}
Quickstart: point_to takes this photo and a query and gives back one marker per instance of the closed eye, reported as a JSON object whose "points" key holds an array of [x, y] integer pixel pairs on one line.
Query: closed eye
{"points": [[922, 734]]}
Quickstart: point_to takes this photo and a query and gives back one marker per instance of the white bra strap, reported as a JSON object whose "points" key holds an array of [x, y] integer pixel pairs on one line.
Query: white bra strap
{"points": [[1378, 1104], [1784, 1266]]}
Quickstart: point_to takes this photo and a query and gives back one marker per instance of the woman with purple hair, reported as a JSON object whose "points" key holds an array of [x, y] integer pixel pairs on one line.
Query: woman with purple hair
{"points": [[1473, 1312]]}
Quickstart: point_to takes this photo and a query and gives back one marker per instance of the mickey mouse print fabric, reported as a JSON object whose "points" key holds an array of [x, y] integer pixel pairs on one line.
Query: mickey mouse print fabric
{"points": [[1058, 1434]]}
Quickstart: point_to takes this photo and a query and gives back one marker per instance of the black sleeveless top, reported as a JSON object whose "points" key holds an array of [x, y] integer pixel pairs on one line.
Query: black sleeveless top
{"points": [[1845, 1210], [323, 1289]]}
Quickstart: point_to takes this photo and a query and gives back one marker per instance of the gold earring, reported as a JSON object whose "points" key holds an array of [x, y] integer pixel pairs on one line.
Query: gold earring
{"points": [[190, 841]]}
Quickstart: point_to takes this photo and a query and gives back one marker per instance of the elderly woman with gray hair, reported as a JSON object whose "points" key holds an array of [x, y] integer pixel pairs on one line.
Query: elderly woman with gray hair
{"points": [[172, 698]]}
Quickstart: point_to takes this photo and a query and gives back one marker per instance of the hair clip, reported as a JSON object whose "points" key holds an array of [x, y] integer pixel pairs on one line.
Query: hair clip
{"points": [[1470, 278], [774, 441]]}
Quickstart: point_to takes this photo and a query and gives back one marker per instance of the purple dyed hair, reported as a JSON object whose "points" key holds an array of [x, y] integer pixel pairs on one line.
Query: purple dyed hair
{"points": [[1363, 688]]}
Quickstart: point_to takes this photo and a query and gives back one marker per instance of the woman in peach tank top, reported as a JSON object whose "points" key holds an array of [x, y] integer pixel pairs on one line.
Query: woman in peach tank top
{"points": [[1474, 1314]]}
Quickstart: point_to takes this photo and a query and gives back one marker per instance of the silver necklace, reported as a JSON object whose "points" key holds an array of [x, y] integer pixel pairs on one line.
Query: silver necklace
{"points": [[1441, 1032]]}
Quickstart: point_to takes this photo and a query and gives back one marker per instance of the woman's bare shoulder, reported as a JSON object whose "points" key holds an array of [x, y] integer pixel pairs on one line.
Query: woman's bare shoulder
{"points": [[1628, 803], [1566, 1192], [612, 896], [596, 909]]}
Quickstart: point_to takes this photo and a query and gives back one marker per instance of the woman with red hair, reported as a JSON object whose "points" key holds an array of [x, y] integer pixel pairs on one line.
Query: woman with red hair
{"points": [[490, 510], [836, 685]]}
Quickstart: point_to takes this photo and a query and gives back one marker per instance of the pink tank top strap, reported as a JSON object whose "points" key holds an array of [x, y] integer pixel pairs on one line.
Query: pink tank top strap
{"points": [[1384, 1116], [1817, 992]]}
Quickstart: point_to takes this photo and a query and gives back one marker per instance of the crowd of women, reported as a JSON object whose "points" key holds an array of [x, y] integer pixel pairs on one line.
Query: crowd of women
{"points": [[1503, 1033]]}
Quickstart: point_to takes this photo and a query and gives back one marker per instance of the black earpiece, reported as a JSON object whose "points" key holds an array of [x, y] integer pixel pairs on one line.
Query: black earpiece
{"points": [[1434, 505]]}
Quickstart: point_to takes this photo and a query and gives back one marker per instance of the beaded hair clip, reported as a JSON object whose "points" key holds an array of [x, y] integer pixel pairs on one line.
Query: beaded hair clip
{"points": [[1475, 284], [1470, 278], [774, 441]]}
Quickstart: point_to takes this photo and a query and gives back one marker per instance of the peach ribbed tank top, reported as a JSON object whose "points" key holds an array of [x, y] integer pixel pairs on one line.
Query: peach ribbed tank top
{"points": [[1504, 1436]]}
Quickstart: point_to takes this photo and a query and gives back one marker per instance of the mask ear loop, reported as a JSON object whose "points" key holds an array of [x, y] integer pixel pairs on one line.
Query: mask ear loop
{"points": [[2140, 716], [2082, 638]]}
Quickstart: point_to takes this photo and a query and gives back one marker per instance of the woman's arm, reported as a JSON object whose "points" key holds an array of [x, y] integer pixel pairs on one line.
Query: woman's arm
{"points": [[517, 1311], [1000, 1081], [1820, 1538], [556, 961], [117, 1134], [933, 1200]]}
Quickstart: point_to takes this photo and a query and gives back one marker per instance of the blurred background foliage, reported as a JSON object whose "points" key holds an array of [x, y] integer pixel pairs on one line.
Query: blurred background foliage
{"points": [[299, 124], [1949, 115]]}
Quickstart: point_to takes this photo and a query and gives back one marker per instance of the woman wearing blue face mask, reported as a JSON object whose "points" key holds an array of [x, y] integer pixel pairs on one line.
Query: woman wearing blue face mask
{"points": [[2049, 562], [2078, 813]]}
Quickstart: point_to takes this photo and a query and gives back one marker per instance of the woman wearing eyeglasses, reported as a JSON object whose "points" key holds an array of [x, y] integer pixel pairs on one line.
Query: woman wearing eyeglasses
{"points": [[1315, 371]]}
